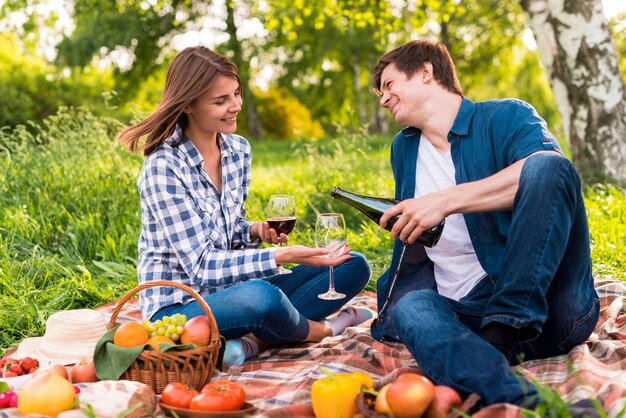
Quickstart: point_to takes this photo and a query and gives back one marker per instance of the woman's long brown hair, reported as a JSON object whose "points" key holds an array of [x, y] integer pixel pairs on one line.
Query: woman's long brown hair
{"points": [[190, 74]]}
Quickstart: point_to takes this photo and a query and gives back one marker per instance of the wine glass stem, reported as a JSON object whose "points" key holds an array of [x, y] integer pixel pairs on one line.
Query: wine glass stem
{"points": [[331, 279]]}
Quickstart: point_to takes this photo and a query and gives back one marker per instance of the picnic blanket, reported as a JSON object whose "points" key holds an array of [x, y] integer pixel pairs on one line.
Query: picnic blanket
{"points": [[278, 381]]}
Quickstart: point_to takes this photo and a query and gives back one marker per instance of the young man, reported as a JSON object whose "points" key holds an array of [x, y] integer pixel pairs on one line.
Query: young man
{"points": [[510, 278]]}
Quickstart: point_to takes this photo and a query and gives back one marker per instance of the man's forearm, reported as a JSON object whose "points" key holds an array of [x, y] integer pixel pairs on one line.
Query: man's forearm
{"points": [[494, 193]]}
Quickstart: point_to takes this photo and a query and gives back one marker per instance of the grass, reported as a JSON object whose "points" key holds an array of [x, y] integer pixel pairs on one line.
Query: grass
{"points": [[70, 219]]}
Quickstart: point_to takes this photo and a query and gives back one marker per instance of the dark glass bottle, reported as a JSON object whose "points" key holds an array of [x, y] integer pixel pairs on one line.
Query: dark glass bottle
{"points": [[373, 207]]}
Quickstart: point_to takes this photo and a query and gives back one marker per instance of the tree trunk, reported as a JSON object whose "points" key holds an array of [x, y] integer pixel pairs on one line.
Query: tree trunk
{"points": [[255, 129], [577, 49], [358, 97]]}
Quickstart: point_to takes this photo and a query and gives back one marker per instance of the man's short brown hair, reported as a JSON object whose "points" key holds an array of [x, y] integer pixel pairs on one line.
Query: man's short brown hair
{"points": [[410, 57]]}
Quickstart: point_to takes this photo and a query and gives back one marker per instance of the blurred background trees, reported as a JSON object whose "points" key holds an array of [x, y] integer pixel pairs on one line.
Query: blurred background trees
{"points": [[306, 65]]}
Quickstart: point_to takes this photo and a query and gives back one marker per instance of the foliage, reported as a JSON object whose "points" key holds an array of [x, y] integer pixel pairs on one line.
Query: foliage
{"points": [[618, 28], [606, 212], [284, 117], [33, 89], [551, 405], [325, 50], [68, 220], [137, 31], [321, 52]]}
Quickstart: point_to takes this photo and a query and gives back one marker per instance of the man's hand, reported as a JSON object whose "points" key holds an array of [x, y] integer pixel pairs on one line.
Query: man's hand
{"points": [[316, 257], [263, 231], [416, 216]]}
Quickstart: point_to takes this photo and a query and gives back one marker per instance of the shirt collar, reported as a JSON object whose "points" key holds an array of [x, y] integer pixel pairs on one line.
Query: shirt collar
{"points": [[190, 151], [463, 117], [225, 145], [461, 122]]}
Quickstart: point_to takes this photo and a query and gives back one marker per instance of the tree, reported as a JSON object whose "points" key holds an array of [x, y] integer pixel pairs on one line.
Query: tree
{"points": [[576, 48], [139, 31], [324, 51]]}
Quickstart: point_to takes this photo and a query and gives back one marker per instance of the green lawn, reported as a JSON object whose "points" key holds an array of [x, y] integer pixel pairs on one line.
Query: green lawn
{"points": [[69, 212]]}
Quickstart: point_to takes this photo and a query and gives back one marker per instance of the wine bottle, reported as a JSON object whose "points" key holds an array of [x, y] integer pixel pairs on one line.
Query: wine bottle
{"points": [[373, 207]]}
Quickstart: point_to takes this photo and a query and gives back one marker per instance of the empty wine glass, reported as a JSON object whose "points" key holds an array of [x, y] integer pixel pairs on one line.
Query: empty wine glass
{"points": [[330, 232], [281, 216]]}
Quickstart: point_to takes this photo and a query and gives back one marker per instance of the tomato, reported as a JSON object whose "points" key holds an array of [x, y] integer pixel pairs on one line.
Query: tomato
{"points": [[220, 395], [178, 395]]}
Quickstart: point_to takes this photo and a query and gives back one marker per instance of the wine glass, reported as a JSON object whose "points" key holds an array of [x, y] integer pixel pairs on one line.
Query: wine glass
{"points": [[281, 216], [330, 232]]}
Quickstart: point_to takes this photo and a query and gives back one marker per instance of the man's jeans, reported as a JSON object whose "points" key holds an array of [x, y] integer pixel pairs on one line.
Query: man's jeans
{"points": [[276, 309], [545, 290]]}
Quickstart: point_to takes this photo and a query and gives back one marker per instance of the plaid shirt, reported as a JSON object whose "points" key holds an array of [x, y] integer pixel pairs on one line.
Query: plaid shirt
{"points": [[189, 231]]}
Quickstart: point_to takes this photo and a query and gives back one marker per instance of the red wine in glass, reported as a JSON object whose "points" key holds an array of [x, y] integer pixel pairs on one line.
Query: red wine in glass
{"points": [[282, 225], [281, 216]]}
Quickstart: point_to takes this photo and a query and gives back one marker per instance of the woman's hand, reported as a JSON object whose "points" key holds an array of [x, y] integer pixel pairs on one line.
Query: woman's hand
{"points": [[263, 231], [316, 257]]}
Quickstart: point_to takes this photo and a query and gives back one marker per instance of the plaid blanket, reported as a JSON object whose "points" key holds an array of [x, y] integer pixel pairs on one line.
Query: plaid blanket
{"points": [[278, 381]]}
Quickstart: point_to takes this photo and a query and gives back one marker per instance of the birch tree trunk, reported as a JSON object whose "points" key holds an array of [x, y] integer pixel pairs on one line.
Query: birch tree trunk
{"points": [[577, 49]]}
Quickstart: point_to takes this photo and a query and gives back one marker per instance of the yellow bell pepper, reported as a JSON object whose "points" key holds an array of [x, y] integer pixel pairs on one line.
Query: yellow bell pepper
{"points": [[335, 395]]}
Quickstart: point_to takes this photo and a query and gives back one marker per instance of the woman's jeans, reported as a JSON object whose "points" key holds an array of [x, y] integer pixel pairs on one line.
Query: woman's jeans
{"points": [[276, 309], [545, 291]]}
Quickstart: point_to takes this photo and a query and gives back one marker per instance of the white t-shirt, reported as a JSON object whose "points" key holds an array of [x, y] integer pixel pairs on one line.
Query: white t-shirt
{"points": [[457, 269]]}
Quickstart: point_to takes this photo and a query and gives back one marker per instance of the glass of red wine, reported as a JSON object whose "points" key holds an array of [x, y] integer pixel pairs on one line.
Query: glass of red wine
{"points": [[330, 232], [281, 216]]}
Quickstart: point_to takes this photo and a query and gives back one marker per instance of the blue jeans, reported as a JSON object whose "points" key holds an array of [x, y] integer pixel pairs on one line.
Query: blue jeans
{"points": [[276, 309], [545, 291]]}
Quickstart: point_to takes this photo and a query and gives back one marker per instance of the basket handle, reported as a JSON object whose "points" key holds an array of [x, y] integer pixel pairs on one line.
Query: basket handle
{"points": [[215, 335]]}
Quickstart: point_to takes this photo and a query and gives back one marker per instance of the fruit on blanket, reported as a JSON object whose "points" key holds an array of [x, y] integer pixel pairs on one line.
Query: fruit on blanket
{"points": [[84, 371], [409, 395], [154, 341], [57, 369], [445, 399], [130, 334], [335, 396], [46, 394], [197, 331], [178, 395], [381, 406], [220, 395]]}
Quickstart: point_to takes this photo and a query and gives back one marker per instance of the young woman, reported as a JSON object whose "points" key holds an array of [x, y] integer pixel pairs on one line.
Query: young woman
{"points": [[193, 186]]}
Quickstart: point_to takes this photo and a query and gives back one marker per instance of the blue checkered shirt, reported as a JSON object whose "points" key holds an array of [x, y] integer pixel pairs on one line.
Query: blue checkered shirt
{"points": [[190, 233]]}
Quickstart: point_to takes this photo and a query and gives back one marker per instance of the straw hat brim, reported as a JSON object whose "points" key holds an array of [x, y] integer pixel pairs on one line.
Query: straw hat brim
{"points": [[31, 347], [70, 336]]}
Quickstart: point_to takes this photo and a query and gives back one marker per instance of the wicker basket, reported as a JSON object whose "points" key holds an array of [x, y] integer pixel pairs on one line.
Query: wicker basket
{"points": [[191, 367]]}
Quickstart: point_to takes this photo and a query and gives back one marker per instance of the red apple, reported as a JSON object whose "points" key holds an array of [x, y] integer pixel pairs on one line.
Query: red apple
{"points": [[381, 406], [445, 399], [409, 395], [196, 331], [58, 369], [84, 371]]}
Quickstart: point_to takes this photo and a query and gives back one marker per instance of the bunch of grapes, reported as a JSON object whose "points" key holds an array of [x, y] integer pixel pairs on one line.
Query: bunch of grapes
{"points": [[168, 326]]}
